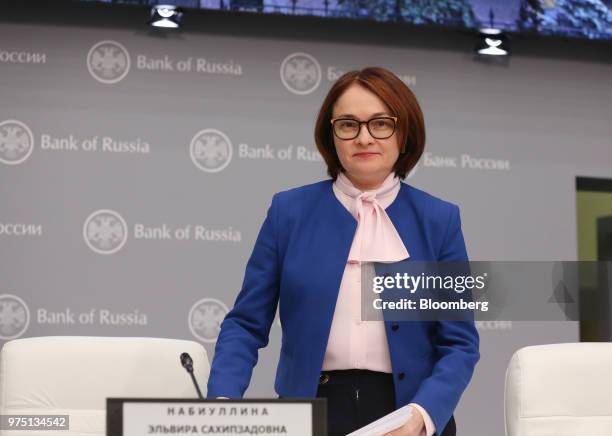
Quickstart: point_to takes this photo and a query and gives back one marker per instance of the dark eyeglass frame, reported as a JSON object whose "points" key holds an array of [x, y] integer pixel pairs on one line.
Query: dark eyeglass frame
{"points": [[367, 123]]}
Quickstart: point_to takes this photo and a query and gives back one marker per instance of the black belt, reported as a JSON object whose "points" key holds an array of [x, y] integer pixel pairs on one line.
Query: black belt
{"points": [[354, 376]]}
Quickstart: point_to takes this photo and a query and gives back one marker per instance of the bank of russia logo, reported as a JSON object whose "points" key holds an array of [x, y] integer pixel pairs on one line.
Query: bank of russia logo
{"points": [[14, 317], [108, 61], [300, 73], [105, 231], [210, 150], [205, 319], [16, 142]]}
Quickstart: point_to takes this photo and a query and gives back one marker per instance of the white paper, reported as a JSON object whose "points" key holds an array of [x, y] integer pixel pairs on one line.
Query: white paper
{"points": [[385, 424]]}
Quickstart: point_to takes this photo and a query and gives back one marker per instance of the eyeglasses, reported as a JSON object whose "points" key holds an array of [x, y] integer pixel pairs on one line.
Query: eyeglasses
{"points": [[349, 128]]}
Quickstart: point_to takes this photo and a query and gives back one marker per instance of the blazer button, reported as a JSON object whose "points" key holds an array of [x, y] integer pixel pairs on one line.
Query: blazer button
{"points": [[394, 327], [401, 376]]}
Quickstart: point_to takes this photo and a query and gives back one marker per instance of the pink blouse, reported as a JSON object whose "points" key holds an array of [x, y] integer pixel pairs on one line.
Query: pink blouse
{"points": [[353, 343]]}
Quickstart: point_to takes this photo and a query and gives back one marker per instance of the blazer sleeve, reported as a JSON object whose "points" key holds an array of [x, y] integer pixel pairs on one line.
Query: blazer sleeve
{"points": [[456, 345], [246, 327]]}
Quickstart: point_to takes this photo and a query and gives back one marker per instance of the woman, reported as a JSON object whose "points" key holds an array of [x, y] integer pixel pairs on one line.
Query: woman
{"points": [[308, 258]]}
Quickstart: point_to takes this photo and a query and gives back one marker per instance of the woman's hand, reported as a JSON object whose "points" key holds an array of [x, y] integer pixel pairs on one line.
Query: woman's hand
{"points": [[413, 427]]}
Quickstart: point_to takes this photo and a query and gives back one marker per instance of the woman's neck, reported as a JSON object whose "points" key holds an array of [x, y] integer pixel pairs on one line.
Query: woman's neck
{"points": [[369, 184]]}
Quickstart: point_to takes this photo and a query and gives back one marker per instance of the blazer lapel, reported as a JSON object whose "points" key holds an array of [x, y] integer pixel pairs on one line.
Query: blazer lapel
{"points": [[402, 215], [331, 229], [332, 233]]}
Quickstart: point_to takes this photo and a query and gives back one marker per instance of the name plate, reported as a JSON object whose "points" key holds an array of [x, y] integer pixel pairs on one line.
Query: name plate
{"points": [[140, 417]]}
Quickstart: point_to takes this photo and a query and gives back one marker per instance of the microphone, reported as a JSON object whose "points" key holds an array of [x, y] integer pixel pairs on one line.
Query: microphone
{"points": [[187, 363]]}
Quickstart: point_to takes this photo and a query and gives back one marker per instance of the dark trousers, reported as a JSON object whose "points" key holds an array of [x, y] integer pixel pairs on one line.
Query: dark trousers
{"points": [[357, 397]]}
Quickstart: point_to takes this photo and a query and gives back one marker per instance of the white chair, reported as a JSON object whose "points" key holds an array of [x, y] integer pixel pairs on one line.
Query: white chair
{"points": [[72, 375], [560, 390]]}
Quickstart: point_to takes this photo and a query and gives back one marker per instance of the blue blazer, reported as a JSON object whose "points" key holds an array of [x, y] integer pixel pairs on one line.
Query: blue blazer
{"points": [[298, 262]]}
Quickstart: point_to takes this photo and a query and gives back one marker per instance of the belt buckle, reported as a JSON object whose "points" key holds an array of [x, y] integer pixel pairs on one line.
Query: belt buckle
{"points": [[323, 378]]}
